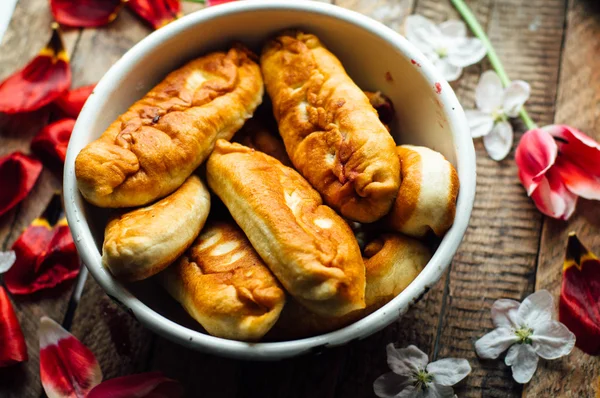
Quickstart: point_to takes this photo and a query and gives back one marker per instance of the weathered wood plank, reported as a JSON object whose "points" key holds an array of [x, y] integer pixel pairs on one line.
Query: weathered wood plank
{"points": [[577, 105], [28, 32], [498, 255]]}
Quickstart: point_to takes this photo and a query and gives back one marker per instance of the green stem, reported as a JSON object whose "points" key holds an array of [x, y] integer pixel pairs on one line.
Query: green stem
{"points": [[478, 31]]}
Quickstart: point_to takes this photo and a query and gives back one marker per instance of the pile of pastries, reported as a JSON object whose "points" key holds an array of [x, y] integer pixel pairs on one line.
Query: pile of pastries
{"points": [[316, 216]]}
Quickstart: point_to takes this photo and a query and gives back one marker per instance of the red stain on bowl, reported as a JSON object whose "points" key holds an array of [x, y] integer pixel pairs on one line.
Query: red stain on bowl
{"points": [[415, 63], [388, 77], [438, 88]]}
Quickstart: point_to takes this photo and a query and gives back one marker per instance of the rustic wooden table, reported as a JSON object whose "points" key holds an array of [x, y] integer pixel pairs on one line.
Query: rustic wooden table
{"points": [[509, 249]]}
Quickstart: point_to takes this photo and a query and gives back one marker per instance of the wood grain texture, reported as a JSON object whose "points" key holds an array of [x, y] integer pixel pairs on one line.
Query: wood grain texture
{"points": [[28, 32], [498, 255], [578, 105]]}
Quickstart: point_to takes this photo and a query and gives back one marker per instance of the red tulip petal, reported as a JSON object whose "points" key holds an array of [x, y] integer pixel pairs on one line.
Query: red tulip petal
{"points": [[157, 13], [68, 369], [579, 164], [148, 385], [18, 174], [85, 13], [46, 256], [51, 142], [42, 81], [13, 348], [535, 155], [72, 101], [579, 305], [552, 197]]}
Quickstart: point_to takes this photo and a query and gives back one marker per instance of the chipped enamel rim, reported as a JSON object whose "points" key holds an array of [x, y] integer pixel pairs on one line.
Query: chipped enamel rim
{"points": [[276, 350]]}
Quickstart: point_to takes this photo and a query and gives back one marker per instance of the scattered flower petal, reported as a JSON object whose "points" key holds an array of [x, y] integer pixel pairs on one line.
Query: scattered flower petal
{"points": [[446, 45], [489, 92], [579, 305], [68, 369], [515, 96], [578, 163], [13, 348], [150, 385], [480, 123], [71, 102], [157, 13], [498, 142], [46, 254], [85, 13], [530, 333], [42, 81], [51, 143], [412, 376], [217, 2], [18, 173], [7, 259], [535, 154], [523, 361]]}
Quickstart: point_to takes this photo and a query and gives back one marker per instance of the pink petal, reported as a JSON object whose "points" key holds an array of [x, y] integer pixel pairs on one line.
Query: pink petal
{"points": [[535, 154], [148, 385], [68, 369], [579, 161], [552, 197]]}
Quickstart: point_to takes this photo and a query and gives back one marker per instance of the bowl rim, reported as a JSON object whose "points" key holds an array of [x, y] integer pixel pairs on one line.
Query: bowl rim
{"points": [[368, 325]]}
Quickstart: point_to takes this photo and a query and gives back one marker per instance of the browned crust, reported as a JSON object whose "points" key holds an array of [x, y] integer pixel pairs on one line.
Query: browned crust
{"points": [[231, 292], [153, 147], [256, 135], [410, 188], [452, 197], [331, 132]]}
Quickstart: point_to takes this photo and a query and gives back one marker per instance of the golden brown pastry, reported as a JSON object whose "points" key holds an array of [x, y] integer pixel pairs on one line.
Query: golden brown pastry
{"points": [[256, 135], [144, 241], [309, 248], [223, 284], [427, 196], [331, 132], [151, 149], [392, 262]]}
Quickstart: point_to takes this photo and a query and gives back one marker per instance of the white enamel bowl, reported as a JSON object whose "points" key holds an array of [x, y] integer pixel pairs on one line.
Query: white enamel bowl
{"points": [[376, 57]]}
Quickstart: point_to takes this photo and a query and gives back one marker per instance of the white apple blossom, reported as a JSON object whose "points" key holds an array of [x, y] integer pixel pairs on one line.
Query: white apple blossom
{"points": [[7, 259], [413, 376], [528, 329], [495, 104], [446, 44]]}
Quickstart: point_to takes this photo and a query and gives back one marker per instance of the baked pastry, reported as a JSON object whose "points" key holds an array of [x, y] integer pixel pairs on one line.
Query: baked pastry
{"points": [[144, 241], [309, 248], [256, 135], [331, 132], [392, 262], [223, 284], [427, 197], [152, 148]]}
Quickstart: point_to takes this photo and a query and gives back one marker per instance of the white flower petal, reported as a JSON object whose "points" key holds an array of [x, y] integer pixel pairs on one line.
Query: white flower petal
{"points": [[498, 142], [536, 309], [7, 259], [406, 361], [449, 371], [435, 390], [411, 392], [489, 92], [466, 51], [449, 72], [495, 343], [390, 385], [422, 32], [504, 313], [480, 123], [453, 28], [552, 340], [523, 360], [515, 96]]}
